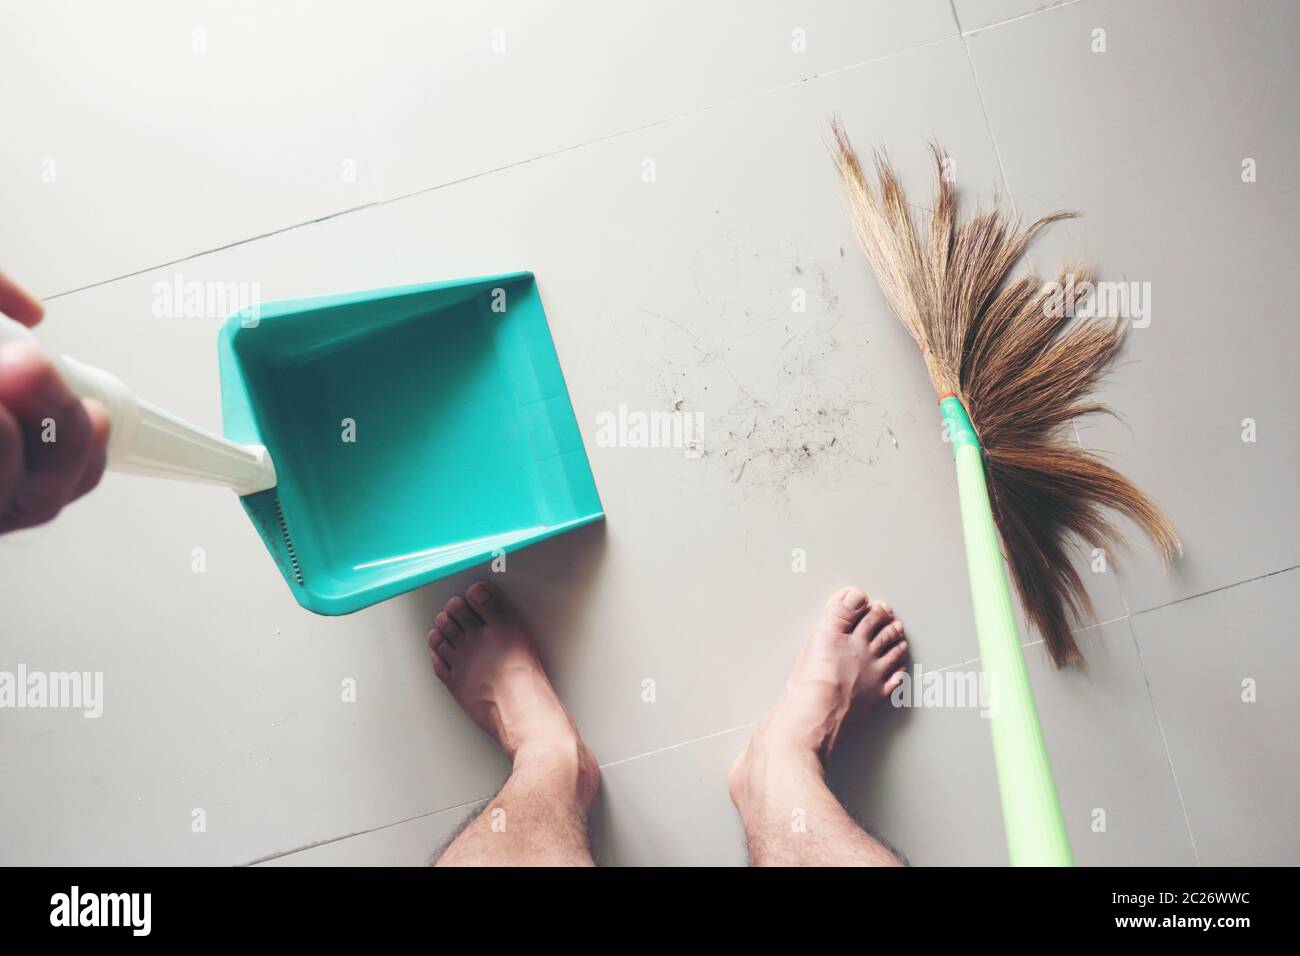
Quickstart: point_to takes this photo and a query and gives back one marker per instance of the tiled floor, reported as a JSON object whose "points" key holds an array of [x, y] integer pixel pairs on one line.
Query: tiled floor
{"points": [[290, 145]]}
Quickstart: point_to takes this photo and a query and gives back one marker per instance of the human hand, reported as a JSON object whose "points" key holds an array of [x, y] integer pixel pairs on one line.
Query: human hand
{"points": [[52, 444]]}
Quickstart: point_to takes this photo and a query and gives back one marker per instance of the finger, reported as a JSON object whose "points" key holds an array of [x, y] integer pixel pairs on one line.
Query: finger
{"points": [[97, 460], [17, 303], [57, 434], [11, 458]]}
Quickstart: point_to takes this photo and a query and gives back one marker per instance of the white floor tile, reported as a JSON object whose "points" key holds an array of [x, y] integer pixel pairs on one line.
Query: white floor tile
{"points": [[924, 777], [1222, 670], [454, 90], [182, 128], [1148, 139]]}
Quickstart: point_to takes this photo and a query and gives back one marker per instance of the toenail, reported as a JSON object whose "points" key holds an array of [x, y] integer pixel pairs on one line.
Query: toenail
{"points": [[884, 606], [478, 593], [854, 599]]}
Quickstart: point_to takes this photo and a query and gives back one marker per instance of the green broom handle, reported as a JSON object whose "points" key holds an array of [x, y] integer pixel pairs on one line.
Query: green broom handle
{"points": [[1031, 812]]}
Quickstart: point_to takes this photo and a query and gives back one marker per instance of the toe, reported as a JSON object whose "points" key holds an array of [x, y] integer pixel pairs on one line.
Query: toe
{"points": [[887, 637], [878, 616], [486, 602], [441, 669], [443, 649], [890, 660], [463, 614], [437, 637], [894, 680], [845, 608], [445, 623]]}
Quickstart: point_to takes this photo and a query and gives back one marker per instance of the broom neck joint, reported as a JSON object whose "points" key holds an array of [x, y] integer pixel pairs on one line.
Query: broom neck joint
{"points": [[957, 424]]}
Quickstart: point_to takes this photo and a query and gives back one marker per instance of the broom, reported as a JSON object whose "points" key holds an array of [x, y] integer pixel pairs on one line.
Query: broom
{"points": [[1011, 375]]}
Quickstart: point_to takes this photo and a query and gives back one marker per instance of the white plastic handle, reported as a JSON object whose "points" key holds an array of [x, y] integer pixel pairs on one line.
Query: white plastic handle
{"points": [[145, 440]]}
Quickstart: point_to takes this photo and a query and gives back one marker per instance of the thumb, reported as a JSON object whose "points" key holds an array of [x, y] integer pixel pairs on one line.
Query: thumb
{"points": [[17, 303]]}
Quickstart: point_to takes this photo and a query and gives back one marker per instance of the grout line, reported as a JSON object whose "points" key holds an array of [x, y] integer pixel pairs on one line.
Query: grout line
{"points": [[1164, 742], [684, 743], [1020, 16], [472, 803], [948, 667], [517, 163], [988, 125], [698, 111], [1201, 594], [279, 854], [1076, 631], [1110, 620], [208, 252], [1123, 598]]}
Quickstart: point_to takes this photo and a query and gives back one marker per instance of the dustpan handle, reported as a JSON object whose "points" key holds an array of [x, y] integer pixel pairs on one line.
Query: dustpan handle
{"points": [[146, 440]]}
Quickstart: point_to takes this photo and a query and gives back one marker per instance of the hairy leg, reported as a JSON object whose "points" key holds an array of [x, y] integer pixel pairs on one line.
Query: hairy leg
{"points": [[483, 654], [791, 818]]}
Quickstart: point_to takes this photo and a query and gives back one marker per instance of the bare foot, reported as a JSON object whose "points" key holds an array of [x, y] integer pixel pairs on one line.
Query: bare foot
{"points": [[483, 654], [854, 653]]}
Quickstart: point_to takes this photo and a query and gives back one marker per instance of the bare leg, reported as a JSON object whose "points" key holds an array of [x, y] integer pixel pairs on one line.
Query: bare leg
{"points": [[485, 657], [854, 653]]}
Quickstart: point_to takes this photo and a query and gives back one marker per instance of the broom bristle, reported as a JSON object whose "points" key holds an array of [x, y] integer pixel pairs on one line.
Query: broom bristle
{"points": [[1023, 374]]}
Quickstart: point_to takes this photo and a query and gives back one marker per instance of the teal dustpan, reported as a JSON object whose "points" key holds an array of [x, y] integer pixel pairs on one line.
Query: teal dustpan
{"points": [[416, 431], [378, 440]]}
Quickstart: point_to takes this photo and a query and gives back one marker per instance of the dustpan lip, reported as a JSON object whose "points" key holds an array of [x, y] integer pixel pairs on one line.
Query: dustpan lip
{"points": [[235, 323], [358, 599]]}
